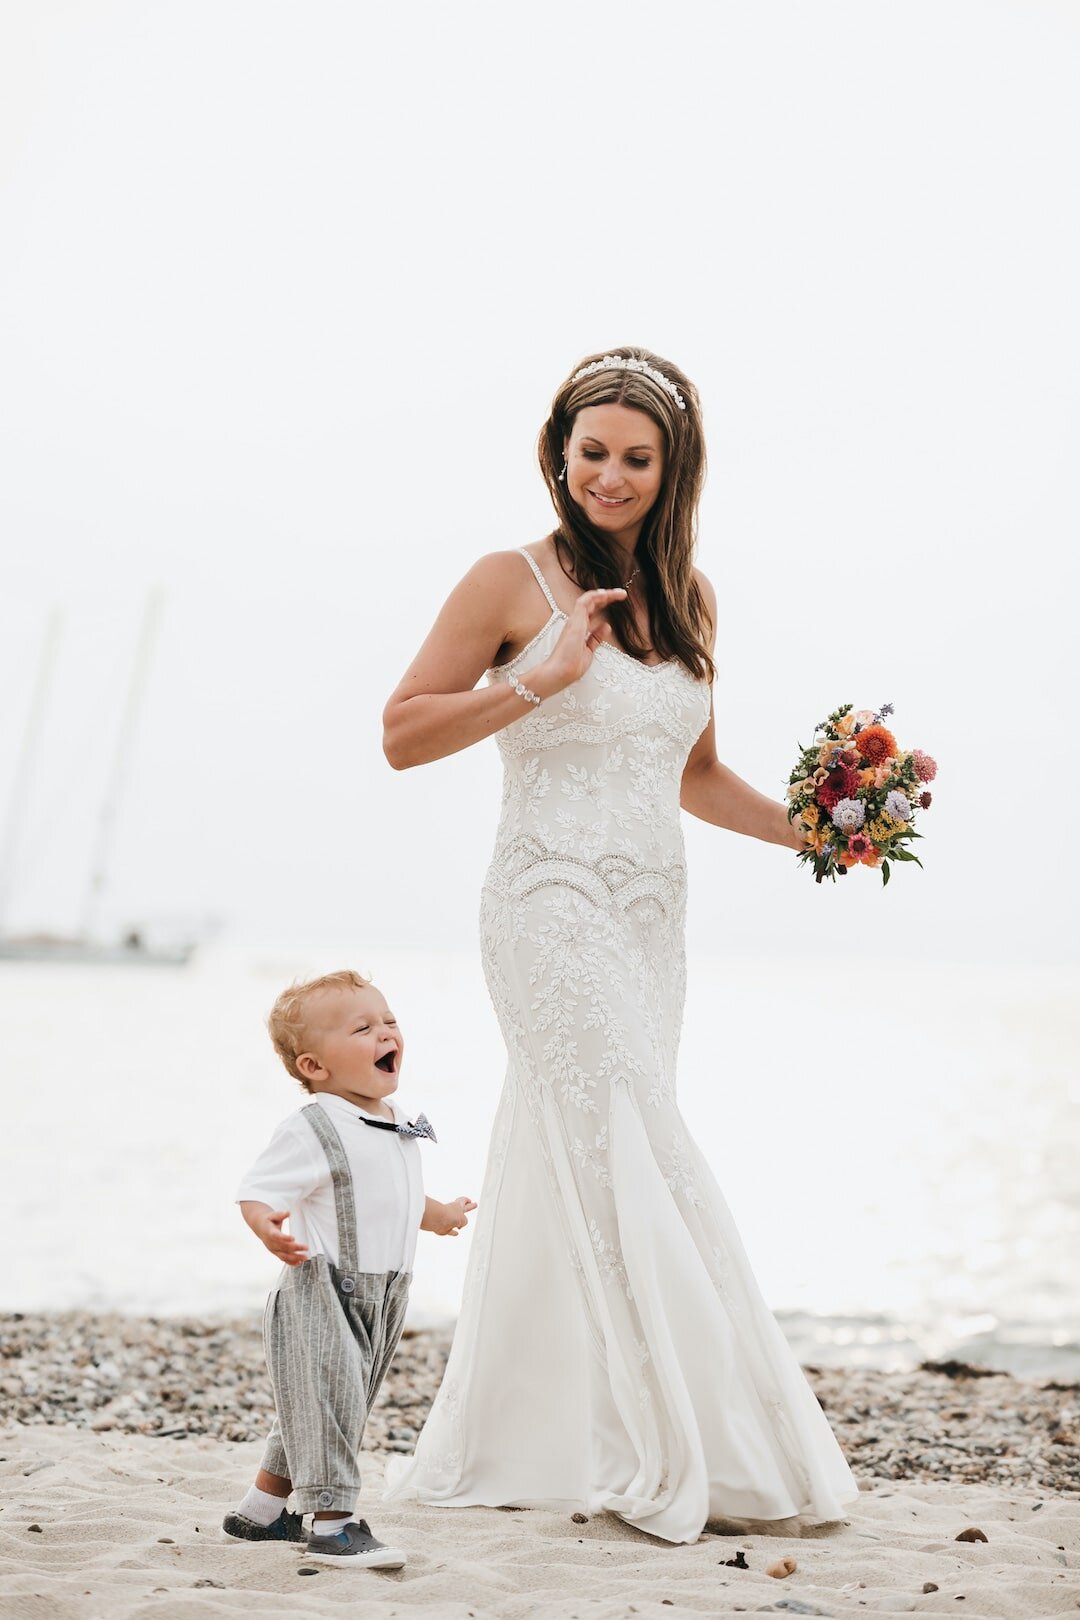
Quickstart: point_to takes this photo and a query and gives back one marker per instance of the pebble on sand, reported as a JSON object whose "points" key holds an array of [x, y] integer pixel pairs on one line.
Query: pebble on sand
{"points": [[187, 1376], [782, 1568]]}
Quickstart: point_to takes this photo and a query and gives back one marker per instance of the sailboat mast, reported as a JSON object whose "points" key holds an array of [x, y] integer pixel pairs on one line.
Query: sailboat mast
{"points": [[125, 738], [11, 837]]}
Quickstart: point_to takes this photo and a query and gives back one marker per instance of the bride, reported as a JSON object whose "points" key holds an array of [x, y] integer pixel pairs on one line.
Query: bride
{"points": [[613, 1350]]}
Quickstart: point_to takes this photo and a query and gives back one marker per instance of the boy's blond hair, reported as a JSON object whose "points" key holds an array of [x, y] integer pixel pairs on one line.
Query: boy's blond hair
{"points": [[287, 1022]]}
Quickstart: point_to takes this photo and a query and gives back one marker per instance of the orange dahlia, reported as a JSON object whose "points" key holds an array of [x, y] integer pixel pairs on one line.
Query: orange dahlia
{"points": [[875, 745]]}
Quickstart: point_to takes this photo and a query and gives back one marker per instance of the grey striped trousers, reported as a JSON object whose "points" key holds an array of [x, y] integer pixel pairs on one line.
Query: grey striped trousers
{"points": [[330, 1333]]}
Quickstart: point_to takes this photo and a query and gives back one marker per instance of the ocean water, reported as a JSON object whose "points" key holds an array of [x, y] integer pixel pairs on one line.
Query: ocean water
{"points": [[920, 1202]]}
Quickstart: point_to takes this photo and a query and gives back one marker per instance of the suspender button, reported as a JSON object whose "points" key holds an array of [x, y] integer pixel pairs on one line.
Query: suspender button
{"points": [[348, 1286]]}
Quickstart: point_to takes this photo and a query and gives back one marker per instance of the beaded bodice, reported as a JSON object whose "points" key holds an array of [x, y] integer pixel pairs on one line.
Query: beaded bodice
{"points": [[596, 769]]}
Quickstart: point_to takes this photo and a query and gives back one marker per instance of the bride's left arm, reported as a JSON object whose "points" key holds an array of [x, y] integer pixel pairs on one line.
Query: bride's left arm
{"points": [[713, 793]]}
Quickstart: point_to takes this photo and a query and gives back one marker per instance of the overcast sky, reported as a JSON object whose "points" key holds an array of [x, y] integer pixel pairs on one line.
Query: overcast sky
{"points": [[285, 291]]}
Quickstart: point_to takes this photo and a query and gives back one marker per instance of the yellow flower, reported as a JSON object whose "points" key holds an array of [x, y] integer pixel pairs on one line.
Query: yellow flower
{"points": [[883, 827], [810, 815]]}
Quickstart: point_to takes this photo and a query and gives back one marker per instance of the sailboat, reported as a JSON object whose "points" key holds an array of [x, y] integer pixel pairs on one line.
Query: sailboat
{"points": [[133, 945]]}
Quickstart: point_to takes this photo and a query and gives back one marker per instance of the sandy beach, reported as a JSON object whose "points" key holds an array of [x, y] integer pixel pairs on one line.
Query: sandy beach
{"points": [[126, 1438]]}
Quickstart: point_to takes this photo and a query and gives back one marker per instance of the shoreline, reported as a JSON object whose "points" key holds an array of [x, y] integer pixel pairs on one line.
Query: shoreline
{"points": [[183, 1378]]}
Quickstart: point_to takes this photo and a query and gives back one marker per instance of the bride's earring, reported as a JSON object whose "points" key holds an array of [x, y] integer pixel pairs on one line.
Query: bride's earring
{"points": [[562, 475]]}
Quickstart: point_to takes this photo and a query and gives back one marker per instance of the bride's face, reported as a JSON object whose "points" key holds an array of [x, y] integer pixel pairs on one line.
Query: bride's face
{"points": [[614, 466]]}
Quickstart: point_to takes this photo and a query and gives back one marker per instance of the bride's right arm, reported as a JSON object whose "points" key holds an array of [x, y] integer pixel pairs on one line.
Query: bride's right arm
{"points": [[435, 711], [437, 708]]}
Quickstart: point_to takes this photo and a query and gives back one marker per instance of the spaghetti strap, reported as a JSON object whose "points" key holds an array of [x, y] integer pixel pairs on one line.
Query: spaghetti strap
{"points": [[540, 580]]}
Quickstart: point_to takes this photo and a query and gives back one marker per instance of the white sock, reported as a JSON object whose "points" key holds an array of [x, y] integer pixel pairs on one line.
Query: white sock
{"points": [[330, 1527], [260, 1506]]}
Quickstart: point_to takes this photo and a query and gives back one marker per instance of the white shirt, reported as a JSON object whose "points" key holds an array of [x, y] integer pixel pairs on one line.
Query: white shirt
{"points": [[292, 1173]]}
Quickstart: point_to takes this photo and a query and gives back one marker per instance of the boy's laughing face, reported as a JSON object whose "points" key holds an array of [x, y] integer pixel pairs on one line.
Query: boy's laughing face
{"points": [[353, 1047]]}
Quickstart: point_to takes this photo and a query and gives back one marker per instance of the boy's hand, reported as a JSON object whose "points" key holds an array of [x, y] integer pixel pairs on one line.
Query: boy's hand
{"points": [[446, 1220], [279, 1242], [267, 1224]]}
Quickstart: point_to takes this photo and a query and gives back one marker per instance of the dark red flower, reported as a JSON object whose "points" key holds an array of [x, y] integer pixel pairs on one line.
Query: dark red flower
{"points": [[842, 783], [926, 800]]}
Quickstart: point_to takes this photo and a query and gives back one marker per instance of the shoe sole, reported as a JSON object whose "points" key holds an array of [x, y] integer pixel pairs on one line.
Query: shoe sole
{"points": [[264, 1540], [384, 1559]]}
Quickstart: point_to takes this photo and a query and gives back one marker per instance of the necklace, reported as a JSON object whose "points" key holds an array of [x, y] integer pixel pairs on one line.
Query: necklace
{"points": [[573, 581]]}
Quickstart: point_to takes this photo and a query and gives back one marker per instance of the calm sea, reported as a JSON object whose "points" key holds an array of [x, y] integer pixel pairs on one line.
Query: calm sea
{"points": [[920, 1202]]}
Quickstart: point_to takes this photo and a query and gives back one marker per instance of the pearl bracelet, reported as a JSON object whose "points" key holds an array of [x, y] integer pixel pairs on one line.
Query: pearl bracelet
{"points": [[522, 691]]}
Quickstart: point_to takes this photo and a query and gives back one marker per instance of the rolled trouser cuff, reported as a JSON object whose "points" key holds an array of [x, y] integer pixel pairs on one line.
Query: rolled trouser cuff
{"points": [[274, 1460], [324, 1498]]}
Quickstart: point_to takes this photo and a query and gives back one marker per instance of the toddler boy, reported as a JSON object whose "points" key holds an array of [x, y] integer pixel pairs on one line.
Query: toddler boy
{"points": [[345, 1172]]}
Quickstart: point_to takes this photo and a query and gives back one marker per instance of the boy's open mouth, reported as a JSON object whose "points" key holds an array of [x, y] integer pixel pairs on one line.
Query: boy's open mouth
{"points": [[387, 1063]]}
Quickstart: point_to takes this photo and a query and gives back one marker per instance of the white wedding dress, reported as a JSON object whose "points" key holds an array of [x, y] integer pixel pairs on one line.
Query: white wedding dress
{"points": [[613, 1350]]}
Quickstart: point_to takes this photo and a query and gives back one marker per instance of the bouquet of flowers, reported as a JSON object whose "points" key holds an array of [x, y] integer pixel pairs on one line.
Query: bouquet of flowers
{"points": [[856, 793]]}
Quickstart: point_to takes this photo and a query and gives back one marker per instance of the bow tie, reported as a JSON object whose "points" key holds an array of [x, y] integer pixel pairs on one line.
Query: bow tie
{"points": [[421, 1128]]}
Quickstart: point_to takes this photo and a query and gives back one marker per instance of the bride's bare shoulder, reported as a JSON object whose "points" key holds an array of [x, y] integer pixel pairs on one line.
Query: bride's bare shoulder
{"points": [[506, 573], [496, 567], [705, 586], [708, 596]]}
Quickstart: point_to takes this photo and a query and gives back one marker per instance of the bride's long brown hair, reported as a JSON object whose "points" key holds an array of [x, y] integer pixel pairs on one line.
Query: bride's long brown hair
{"points": [[679, 623]]}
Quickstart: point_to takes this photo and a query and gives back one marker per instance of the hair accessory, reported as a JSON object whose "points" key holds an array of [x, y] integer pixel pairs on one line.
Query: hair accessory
{"points": [[522, 691], [621, 362]]}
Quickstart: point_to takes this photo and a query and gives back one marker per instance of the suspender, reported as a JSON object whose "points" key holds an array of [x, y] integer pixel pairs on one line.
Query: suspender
{"points": [[344, 1202]]}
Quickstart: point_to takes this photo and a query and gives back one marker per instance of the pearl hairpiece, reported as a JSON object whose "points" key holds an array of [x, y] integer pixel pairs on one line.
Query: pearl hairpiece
{"points": [[619, 362]]}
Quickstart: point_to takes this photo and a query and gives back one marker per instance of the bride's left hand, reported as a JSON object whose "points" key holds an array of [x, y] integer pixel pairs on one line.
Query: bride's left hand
{"points": [[798, 834]]}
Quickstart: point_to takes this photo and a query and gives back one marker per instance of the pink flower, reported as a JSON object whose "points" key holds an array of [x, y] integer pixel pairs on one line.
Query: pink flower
{"points": [[925, 767], [859, 846]]}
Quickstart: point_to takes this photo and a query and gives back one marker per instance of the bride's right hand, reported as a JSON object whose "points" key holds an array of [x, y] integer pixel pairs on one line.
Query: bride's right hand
{"points": [[572, 654]]}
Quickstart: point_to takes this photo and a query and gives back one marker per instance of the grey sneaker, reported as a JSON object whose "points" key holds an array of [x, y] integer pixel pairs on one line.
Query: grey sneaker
{"points": [[354, 1548], [286, 1527]]}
